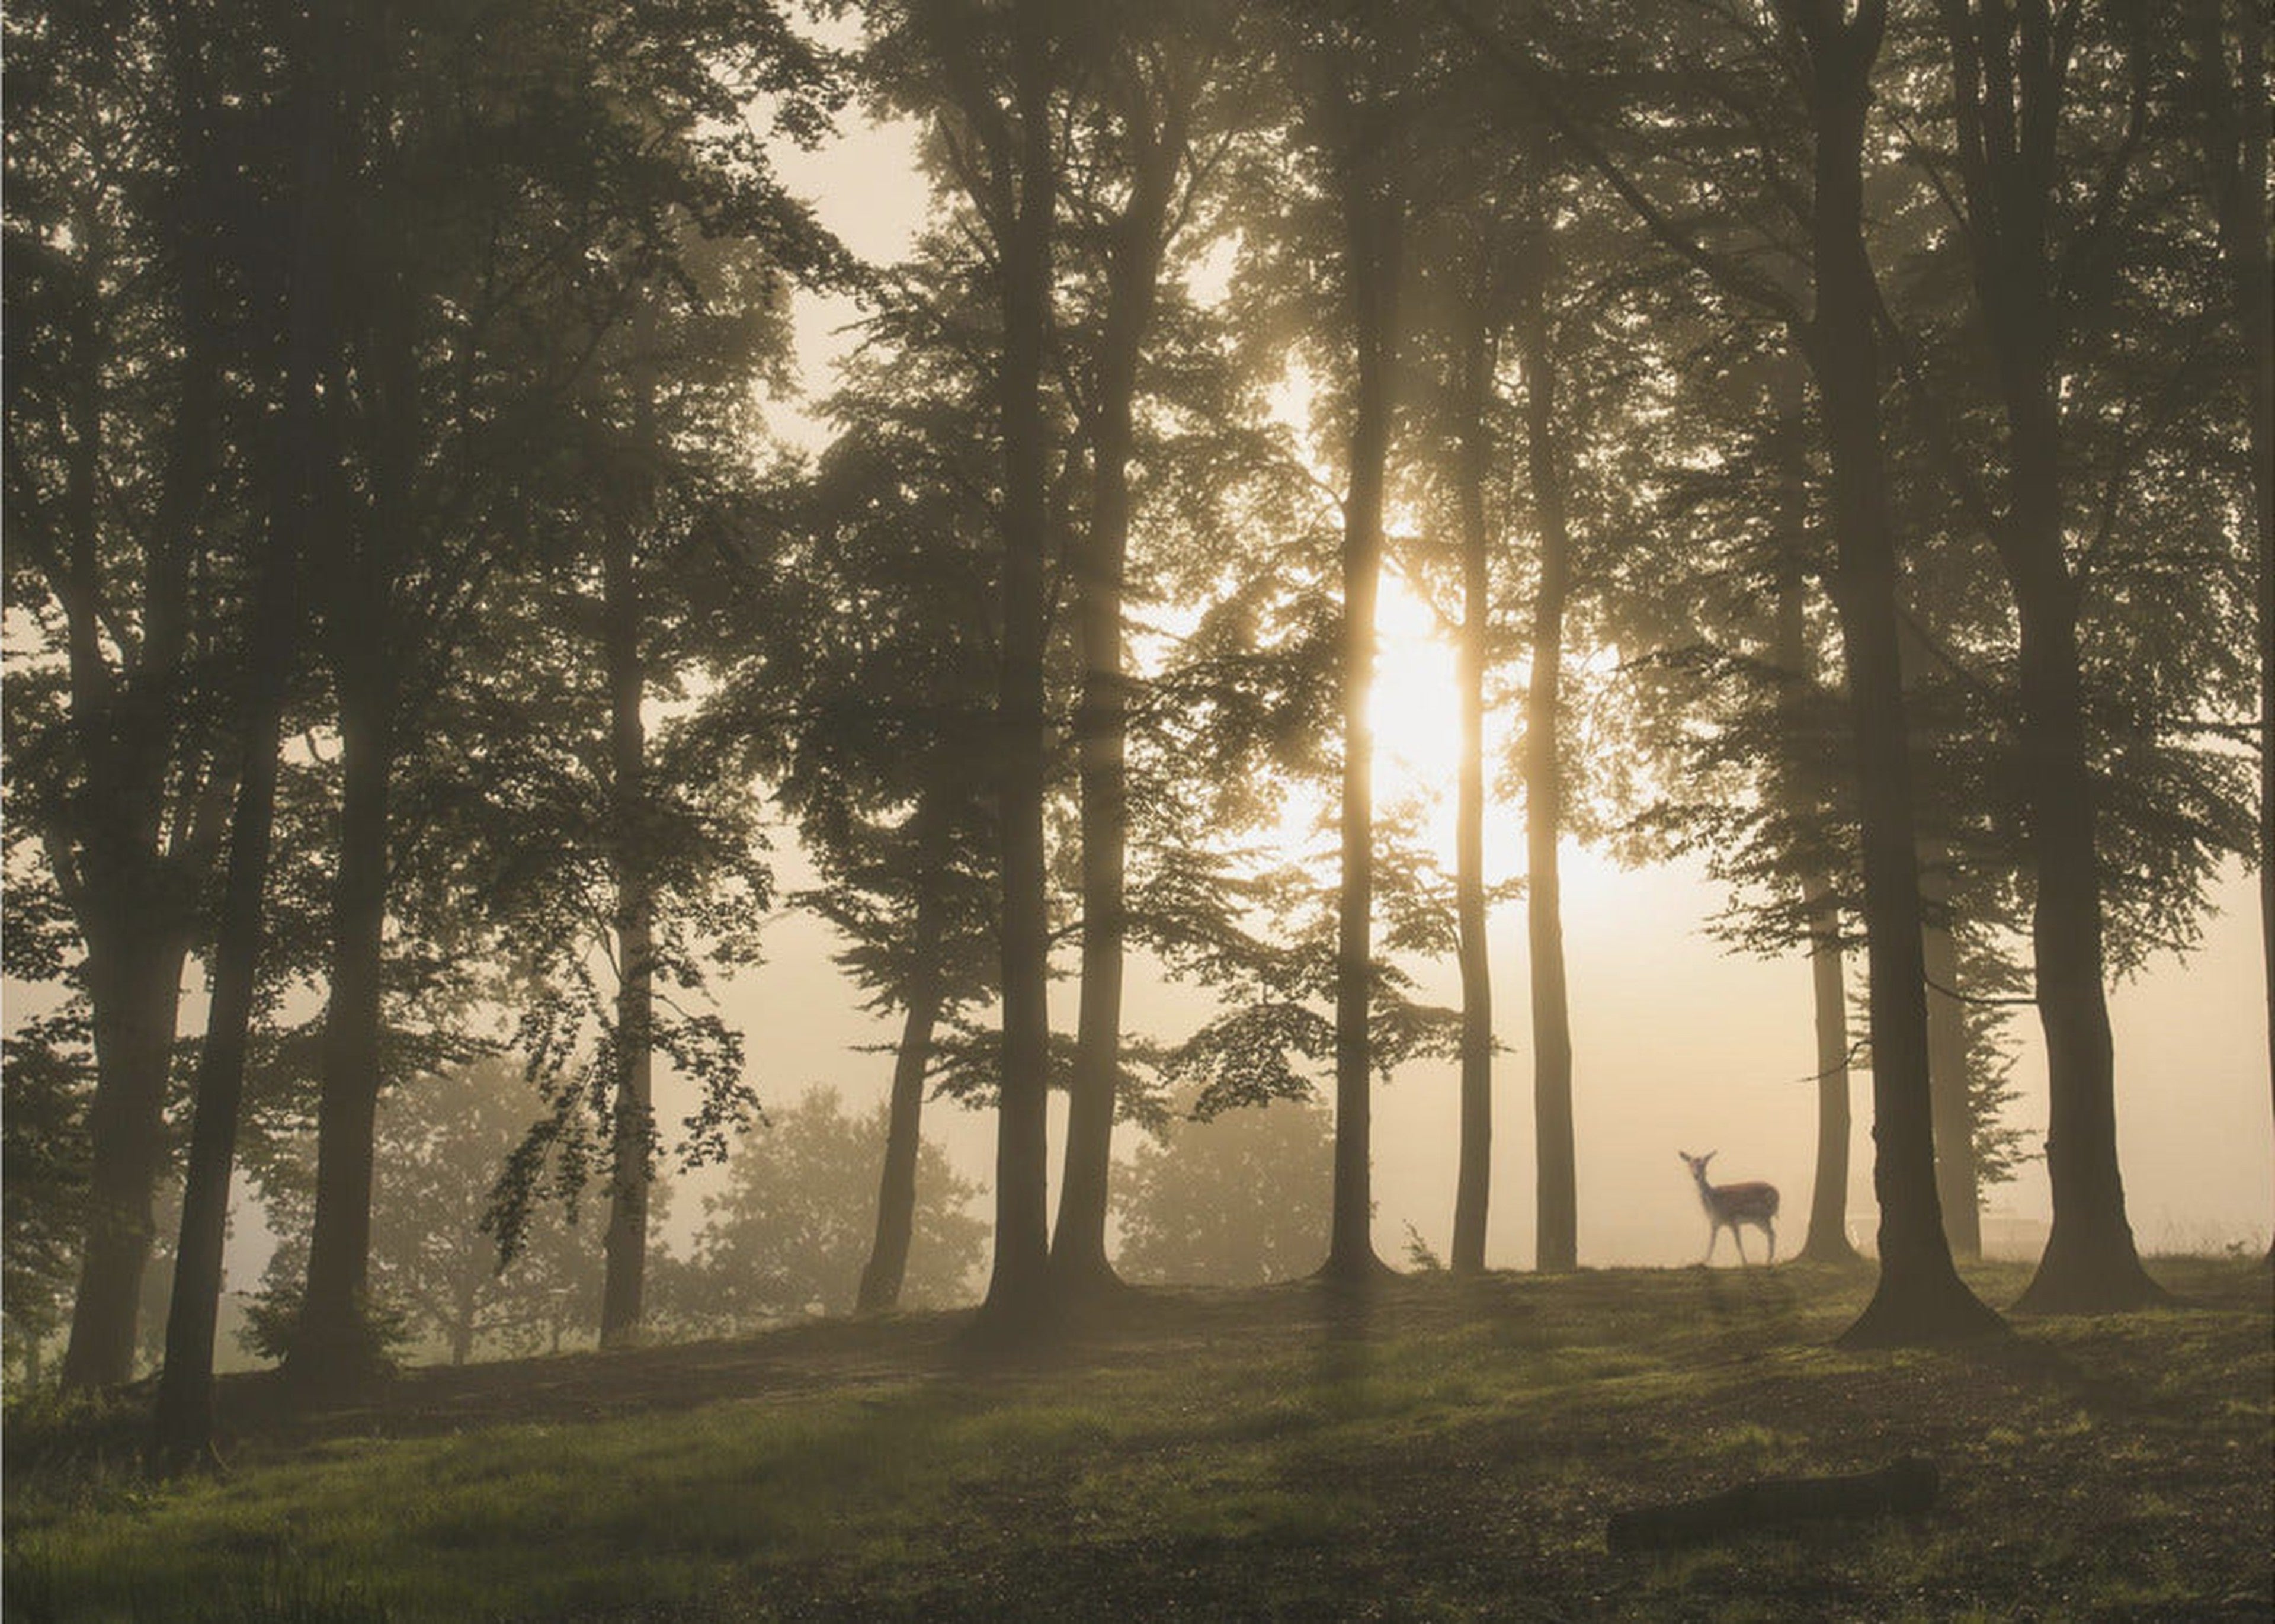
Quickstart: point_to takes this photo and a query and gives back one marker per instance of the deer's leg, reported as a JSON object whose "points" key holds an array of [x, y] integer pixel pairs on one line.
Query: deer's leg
{"points": [[1770, 1230], [1714, 1235]]}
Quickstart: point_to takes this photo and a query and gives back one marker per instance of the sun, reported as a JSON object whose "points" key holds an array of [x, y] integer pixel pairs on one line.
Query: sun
{"points": [[1414, 709]]}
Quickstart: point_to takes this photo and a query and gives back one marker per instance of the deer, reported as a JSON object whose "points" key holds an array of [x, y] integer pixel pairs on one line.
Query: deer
{"points": [[1751, 1203]]}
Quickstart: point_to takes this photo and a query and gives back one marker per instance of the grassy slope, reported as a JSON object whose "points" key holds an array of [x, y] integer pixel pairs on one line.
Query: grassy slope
{"points": [[1450, 1453]]}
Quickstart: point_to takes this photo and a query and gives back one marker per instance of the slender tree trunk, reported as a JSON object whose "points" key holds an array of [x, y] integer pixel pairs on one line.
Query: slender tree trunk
{"points": [[2090, 1264], [136, 892], [631, 1159], [2008, 67], [1473, 1186], [1373, 225], [1018, 1288], [184, 1420], [1101, 729], [333, 1351], [1956, 1182], [1919, 1297], [2234, 137], [1558, 1236], [134, 988], [896, 1185], [1827, 1240], [1828, 1200]]}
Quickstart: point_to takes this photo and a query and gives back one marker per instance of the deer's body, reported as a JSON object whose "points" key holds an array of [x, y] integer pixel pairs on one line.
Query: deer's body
{"points": [[1732, 1204]]}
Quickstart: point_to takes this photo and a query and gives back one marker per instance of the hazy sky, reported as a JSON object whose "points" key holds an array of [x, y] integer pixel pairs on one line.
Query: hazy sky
{"points": [[1677, 1045]]}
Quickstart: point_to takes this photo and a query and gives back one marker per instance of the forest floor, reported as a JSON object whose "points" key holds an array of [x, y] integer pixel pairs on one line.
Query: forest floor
{"points": [[1439, 1449]]}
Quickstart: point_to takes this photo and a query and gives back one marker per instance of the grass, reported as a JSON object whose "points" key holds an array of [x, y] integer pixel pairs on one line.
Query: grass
{"points": [[1447, 1450]]}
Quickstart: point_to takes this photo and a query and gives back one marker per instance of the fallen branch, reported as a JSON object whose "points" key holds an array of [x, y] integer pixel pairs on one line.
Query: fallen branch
{"points": [[1903, 1486]]}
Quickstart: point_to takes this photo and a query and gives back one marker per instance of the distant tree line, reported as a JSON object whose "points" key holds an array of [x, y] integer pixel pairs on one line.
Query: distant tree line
{"points": [[410, 627]]}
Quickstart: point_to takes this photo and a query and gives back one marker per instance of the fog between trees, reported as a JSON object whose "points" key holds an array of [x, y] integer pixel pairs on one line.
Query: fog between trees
{"points": [[1846, 488]]}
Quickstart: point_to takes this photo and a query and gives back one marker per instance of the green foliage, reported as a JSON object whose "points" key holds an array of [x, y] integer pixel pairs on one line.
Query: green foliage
{"points": [[45, 1077]]}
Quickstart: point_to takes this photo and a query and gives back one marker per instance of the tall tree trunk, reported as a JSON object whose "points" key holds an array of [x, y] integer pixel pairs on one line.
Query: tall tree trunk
{"points": [[333, 1350], [1018, 1288], [138, 889], [632, 1148], [2235, 136], [2008, 67], [1558, 1235], [1473, 1186], [135, 989], [1956, 1182], [1827, 1240], [1372, 224], [2090, 1264], [184, 1419], [883, 1275], [1919, 1297], [1101, 722]]}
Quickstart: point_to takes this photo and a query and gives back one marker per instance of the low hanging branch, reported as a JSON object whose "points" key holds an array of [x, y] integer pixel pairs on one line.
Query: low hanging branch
{"points": [[1903, 1487]]}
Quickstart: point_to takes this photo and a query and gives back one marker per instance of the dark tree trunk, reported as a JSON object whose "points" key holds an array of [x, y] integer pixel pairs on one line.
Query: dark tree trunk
{"points": [[1828, 1200], [332, 1351], [134, 988], [138, 887], [1473, 1186], [2008, 67], [1101, 722], [184, 1420], [2090, 1264], [1018, 1288], [1919, 1297], [631, 1153], [2235, 136], [1827, 1240], [1373, 225], [1956, 1182], [1558, 1236], [897, 1185]]}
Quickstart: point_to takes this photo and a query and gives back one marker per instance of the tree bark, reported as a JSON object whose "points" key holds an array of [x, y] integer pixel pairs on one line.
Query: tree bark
{"points": [[631, 1147], [333, 1351], [1473, 1184], [135, 989], [1827, 1240], [183, 1423], [1373, 225], [2008, 68], [1101, 720], [1948, 1072], [1919, 1297], [1018, 1293], [1557, 1193], [2234, 137], [883, 1275]]}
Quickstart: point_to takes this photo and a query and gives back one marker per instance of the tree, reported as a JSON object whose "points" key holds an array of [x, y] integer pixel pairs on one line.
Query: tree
{"points": [[1154, 81], [1830, 55], [437, 1276], [988, 79], [788, 1235], [1239, 1199], [2014, 93], [466, 367], [125, 173], [884, 665]]}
